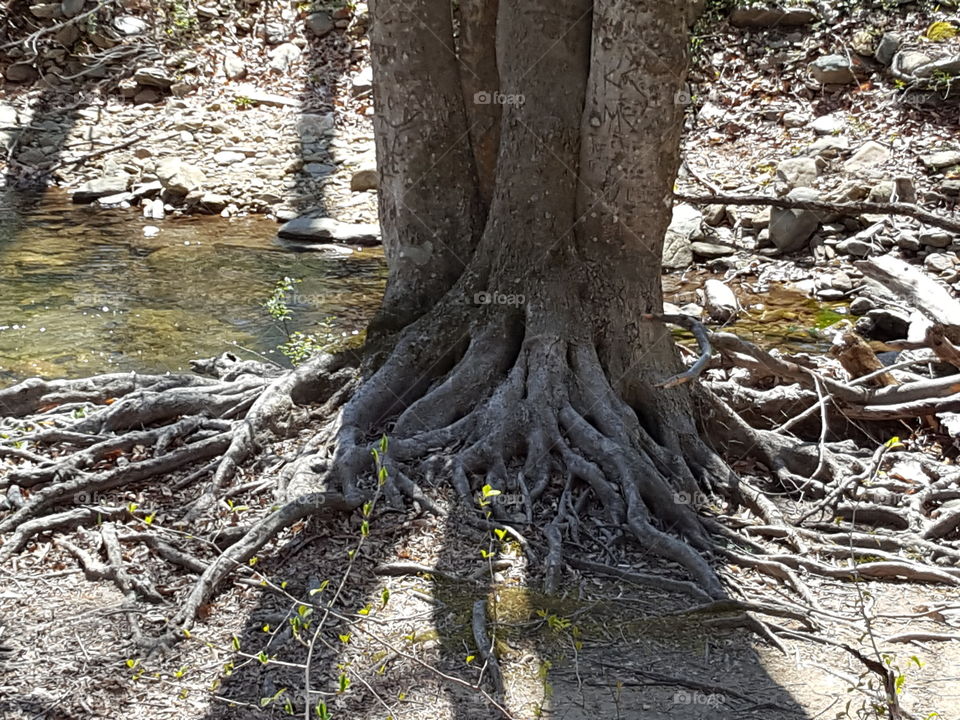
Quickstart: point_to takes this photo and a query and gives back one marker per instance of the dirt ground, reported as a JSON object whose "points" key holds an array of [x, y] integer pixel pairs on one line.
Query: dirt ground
{"points": [[402, 646]]}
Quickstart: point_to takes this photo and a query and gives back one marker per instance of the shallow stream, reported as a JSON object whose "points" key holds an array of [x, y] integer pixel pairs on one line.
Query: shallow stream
{"points": [[84, 291]]}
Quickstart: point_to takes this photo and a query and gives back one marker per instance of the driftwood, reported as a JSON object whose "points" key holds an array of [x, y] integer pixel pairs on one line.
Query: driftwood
{"points": [[822, 206]]}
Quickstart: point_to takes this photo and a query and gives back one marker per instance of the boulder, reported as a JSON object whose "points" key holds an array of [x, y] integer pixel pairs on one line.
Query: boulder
{"points": [[832, 70], [315, 229], [179, 177], [685, 227], [791, 230]]}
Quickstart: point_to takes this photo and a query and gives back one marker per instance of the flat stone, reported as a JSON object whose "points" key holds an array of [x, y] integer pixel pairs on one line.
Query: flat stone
{"points": [[941, 159], [318, 169], [940, 262], [828, 147], [312, 229], [21, 73], [100, 187], [868, 155], [832, 70], [258, 97], [861, 306], [227, 157], [946, 66], [363, 81], [828, 124], [130, 25], [935, 238], [794, 119], [710, 250], [71, 8], [46, 10], [907, 61], [282, 56], [119, 200], [153, 77]]}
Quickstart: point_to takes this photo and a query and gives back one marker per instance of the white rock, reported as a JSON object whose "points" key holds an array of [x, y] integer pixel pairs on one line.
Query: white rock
{"points": [[228, 157], [719, 301], [868, 155], [150, 231], [234, 67]]}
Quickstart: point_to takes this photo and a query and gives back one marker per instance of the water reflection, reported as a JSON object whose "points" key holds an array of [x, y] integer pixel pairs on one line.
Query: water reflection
{"points": [[82, 291]]}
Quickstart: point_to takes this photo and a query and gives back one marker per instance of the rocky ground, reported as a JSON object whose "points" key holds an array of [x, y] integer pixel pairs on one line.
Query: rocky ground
{"points": [[241, 111], [830, 101]]}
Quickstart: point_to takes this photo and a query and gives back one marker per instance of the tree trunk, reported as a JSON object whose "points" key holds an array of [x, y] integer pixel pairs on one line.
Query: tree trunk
{"points": [[536, 363]]}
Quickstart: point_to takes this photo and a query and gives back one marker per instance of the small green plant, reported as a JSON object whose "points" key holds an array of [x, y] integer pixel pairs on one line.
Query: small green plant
{"points": [[242, 102], [299, 346]]}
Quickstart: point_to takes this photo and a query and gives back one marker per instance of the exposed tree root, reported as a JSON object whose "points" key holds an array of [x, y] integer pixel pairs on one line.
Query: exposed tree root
{"points": [[561, 457]]}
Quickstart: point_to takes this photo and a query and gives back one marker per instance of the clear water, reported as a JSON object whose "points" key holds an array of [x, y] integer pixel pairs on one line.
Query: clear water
{"points": [[82, 291]]}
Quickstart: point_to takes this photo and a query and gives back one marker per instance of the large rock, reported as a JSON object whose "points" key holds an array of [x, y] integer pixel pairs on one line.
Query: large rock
{"points": [[179, 177], [100, 187], [798, 171], [832, 70], [758, 17], [325, 229], [791, 230], [868, 155], [685, 227]]}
